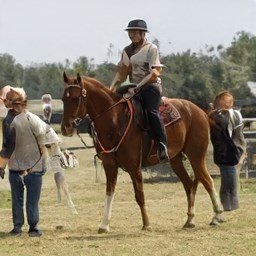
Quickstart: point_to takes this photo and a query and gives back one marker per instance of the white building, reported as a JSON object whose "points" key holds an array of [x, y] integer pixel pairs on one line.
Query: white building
{"points": [[252, 86]]}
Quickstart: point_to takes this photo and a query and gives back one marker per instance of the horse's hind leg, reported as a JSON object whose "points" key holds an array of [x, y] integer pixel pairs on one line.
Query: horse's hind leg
{"points": [[190, 187], [139, 196], [111, 179], [204, 177]]}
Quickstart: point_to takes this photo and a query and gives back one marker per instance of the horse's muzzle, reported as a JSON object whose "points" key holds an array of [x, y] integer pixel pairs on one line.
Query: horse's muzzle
{"points": [[67, 129]]}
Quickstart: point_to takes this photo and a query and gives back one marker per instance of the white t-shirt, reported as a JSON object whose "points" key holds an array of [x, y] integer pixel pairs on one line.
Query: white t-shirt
{"points": [[141, 62]]}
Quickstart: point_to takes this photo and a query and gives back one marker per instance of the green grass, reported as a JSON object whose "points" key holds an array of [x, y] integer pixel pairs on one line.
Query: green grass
{"points": [[5, 199], [166, 206]]}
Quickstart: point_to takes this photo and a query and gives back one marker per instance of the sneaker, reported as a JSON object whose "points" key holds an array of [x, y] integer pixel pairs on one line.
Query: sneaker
{"points": [[34, 232], [15, 232], [162, 153]]}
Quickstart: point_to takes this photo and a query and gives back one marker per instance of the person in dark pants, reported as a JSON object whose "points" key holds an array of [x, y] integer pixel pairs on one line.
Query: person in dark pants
{"points": [[229, 128], [228, 187], [21, 139], [140, 61]]}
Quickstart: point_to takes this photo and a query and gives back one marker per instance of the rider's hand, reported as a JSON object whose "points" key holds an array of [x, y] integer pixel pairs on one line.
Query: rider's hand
{"points": [[132, 90], [2, 172]]}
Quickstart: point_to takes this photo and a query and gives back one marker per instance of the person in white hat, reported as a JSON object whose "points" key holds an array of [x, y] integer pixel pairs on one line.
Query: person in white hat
{"points": [[24, 138]]}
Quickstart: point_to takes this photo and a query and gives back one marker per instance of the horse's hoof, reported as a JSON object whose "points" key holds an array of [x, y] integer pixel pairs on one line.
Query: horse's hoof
{"points": [[214, 223], [221, 219], [147, 228], [102, 231], [189, 225], [73, 210]]}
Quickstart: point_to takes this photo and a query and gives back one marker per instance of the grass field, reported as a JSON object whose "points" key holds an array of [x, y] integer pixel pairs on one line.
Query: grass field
{"points": [[166, 204]]}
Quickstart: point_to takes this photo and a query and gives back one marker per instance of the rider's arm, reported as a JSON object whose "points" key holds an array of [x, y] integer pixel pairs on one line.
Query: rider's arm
{"points": [[122, 72], [150, 78]]}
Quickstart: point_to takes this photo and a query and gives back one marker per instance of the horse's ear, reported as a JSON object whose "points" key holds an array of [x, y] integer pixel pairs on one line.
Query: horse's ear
{"points": [[78, 77], [65, 78]]}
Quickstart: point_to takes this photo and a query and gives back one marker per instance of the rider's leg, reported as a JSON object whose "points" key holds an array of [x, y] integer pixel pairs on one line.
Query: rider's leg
{"points": [[150, 97]]}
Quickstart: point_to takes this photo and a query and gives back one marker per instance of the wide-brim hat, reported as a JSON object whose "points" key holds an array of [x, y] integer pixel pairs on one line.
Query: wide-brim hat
{"points": [[137, 24]]}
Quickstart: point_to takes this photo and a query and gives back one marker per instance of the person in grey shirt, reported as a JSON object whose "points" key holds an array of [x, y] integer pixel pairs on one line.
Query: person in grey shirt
{"points": [[22, 152]]}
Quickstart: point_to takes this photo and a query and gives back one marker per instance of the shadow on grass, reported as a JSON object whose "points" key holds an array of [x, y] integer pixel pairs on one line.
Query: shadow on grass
{"points": [[4, 234], [107, 236]]}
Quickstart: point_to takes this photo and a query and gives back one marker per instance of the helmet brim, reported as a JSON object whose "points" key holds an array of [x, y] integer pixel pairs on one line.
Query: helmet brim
{"points": [[136, 28]]}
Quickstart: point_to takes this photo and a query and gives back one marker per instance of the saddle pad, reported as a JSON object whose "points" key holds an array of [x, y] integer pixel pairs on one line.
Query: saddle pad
{"points": [[168, 112]]}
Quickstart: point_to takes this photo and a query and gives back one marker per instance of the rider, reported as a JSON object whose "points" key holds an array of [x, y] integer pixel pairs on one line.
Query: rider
{"points": [[140, 61]]}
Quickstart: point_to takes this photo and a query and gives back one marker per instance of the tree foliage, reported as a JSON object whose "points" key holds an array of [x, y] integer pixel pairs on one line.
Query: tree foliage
{"points": [[194, 76]]}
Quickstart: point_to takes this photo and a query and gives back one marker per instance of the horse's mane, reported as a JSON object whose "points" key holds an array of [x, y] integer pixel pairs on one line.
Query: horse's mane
{"points": [[97, 85]]}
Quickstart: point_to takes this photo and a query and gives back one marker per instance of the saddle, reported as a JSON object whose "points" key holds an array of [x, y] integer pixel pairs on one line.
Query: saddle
{"points": [[167, 110], [168, 113]]}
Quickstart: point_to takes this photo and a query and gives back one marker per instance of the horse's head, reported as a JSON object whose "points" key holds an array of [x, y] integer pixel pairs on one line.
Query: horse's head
{"points": [[74, 104]]}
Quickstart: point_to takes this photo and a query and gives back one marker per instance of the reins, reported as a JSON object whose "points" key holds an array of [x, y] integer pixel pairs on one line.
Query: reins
{"points": [[115, 148], [117, 103]]}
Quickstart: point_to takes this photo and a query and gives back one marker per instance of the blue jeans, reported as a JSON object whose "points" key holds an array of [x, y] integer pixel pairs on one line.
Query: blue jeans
{"points": [[228, 188], [33, 184]]}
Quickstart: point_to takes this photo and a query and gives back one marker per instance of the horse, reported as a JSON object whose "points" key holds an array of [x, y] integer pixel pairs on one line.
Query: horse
{"points": [[120, 142], [18, 95]]}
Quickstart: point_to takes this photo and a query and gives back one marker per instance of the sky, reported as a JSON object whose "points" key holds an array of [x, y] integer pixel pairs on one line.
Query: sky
{"points": [[47, 31]]}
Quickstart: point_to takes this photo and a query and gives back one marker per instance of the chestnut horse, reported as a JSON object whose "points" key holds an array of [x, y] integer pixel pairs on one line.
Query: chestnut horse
{"points": [[119, 142]]}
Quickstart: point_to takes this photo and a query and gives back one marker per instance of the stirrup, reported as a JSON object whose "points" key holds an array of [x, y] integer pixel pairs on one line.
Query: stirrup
{"points": [[163, 153]]}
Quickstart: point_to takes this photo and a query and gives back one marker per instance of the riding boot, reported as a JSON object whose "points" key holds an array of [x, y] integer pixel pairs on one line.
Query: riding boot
{"points": [[162, 153]]}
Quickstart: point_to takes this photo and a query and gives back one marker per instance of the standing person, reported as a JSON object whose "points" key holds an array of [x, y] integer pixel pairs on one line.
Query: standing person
{"points": [[21, 140], [140, 62], [228, 144], [47, 107]]}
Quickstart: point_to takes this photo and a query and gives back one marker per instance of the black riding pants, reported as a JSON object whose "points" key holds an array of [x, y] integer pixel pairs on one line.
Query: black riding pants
{"points": [[150, 99]]}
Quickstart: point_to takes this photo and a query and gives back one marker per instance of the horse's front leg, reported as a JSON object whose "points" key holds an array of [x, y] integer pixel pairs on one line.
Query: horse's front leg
{"points": [[111, 179], [139, 196]]}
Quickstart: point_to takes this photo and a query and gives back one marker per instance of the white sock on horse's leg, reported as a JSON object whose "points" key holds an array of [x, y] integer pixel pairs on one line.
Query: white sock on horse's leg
{"points": [[107, 213]]}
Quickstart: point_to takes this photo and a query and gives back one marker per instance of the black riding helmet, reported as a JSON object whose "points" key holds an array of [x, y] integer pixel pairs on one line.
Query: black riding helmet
{"points": [[137, 24]]}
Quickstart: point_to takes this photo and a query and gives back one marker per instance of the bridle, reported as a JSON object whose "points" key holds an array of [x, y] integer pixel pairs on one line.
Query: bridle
{"points": [[82, 99], [77, 120]]}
